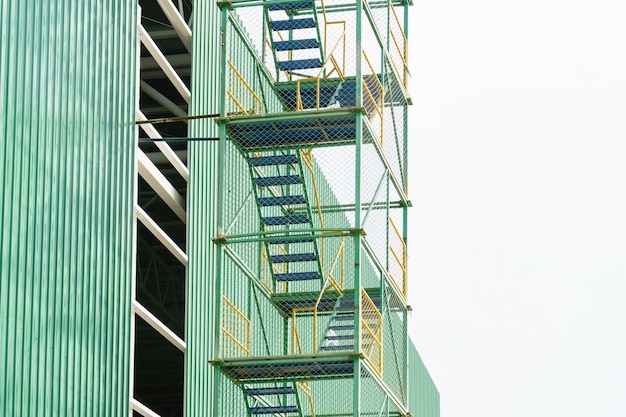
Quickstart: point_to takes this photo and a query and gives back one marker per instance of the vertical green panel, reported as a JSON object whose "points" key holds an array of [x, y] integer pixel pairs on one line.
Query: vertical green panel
{"points": [[423, 394], [202, 211], [67, 88]]}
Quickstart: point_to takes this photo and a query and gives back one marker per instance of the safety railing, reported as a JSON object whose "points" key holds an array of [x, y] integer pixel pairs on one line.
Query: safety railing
{"points": [[307, 158], [374, 97], [305, 388], [246, 105], [237, 330], [397, 250], [330, 282], [371, 332], [400, 51]]}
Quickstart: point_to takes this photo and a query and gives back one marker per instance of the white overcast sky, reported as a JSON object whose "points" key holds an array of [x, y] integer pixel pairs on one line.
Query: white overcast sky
{"points": [[518, 180]]}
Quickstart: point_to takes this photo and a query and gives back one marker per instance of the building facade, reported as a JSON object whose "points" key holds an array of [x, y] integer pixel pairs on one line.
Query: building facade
{"points": [[204, 209]]}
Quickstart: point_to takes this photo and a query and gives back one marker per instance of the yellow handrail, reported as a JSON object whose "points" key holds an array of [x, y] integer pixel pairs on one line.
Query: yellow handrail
{"points": [[377, 106], [233, 333], [299, 104], [374, 331], [401, 262], [245, 83], [404, 52], [307, 157], [343, 35], [305, 387]]}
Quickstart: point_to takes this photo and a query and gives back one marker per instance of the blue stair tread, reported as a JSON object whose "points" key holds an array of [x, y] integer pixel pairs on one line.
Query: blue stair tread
{"points": [[345, 317], [274, 409], [300, 238], [341, 347], [298, 64], [340, 337], [290, 24], [291, 6], [282, 180], [281, 200], [296, 44], [297, 276], [293, 257], [341, 327], [281, 220], [269, 391], [261, 161]]}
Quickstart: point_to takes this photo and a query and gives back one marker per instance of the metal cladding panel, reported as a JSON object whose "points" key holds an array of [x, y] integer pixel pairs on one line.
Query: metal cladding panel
{"points": [[202, 208], [423, 394], [67, 88]]}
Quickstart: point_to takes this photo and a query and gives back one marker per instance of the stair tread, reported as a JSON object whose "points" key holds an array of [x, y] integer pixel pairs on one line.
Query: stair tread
{"points": [[260, 161], [274, 409], [340, 347], [282, 220], [297, 276], [340, 337], [279, 180], [297, 64], [299, 238], [344, 317], [296, 44], [269, 391], [293, 257], [290, 24], [281, 200], [341, 327]]}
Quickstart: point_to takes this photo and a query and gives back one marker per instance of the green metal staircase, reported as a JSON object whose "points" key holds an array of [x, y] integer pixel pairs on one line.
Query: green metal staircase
{"points": [[280, 192], [295, 40]]}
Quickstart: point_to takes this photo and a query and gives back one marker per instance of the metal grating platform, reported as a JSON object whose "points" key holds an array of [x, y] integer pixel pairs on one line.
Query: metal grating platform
{"points": [[315, 368]]}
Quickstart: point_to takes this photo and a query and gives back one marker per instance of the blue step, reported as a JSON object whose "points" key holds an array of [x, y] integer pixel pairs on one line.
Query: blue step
{"points": [[283, 180], [341, 327], [282, 220], [341, 337], [298, 64], [301, 238], [274, 409], [291, 6], [281, 200], [262, 161], [343, 347], [297, 276], [344, 317], [293, 257], [269, 391], [292, 24], [296, 44]]}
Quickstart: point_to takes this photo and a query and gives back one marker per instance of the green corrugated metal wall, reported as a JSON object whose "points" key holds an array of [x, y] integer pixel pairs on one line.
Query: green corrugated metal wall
{"points": [[423, 394], [202, 206], [67, 99]]}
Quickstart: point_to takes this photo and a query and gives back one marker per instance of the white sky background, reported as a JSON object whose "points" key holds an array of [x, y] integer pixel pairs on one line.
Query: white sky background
{"points": [[518, 180]]}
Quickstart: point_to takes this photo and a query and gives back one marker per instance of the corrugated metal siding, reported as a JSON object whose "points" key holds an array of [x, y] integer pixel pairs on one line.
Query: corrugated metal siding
{"points": [[202, 210], [67, 72], [423, 394]]}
